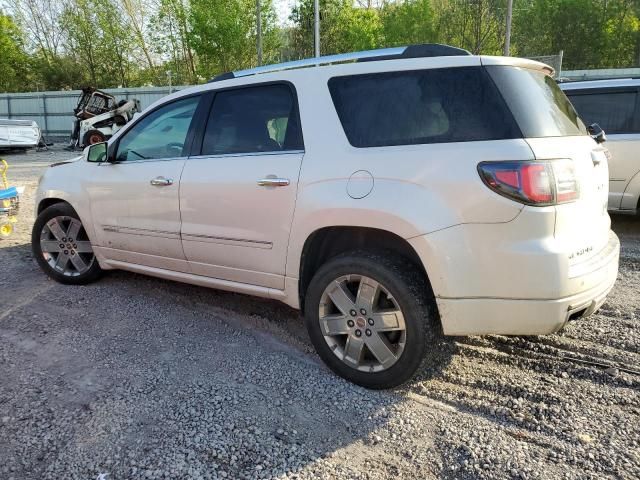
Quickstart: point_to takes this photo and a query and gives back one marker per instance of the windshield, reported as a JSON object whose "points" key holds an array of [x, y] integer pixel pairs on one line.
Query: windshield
{"points": [[540, 108]]}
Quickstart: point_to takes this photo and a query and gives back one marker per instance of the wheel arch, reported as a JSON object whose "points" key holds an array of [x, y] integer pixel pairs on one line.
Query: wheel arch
{"points": [[329, 241], [84, 214], [48, 202]]}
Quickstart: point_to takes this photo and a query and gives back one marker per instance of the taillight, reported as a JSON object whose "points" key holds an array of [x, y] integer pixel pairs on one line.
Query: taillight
{"points": [[537, 183]]}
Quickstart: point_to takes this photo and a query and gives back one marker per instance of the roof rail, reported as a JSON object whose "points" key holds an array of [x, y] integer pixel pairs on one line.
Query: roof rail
{"points": [[412, 51]]}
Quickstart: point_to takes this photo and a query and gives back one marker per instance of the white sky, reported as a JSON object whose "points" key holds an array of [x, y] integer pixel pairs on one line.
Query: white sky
{"points": [[283, 8]]}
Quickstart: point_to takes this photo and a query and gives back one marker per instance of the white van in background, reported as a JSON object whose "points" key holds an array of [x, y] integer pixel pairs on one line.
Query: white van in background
{"points": [[18, 134], [615, 106]]}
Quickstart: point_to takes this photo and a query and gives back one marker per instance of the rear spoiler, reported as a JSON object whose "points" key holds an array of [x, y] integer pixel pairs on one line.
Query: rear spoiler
{"points": [[518, 62]]}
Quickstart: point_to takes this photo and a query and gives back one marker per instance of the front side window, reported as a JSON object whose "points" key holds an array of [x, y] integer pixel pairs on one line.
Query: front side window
{"points": [[252, 120], [417, 107], [613, 111], [161, 134]]}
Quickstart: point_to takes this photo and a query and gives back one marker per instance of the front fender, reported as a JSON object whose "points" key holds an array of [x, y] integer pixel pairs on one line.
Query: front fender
{"points": [[65, 183]]}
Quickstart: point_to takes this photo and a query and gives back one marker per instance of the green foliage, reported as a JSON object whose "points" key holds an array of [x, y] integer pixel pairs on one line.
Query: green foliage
{"points": [[601, 34], [107, 43], [98, 39], [223, 34], [13, 59], [344, 27], [409, 22]]}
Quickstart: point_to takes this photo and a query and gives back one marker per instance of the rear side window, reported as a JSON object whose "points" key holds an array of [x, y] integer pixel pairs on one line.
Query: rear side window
{"points": [[251, 120], [613, 111], [418, 107], [537, 103]]}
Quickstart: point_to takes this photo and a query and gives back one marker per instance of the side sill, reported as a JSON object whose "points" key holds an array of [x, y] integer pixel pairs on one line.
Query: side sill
{"points": [[199, 280]]}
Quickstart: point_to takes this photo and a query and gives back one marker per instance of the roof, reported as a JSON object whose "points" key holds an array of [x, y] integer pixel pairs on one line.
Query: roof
{"points": [[396, 53]]}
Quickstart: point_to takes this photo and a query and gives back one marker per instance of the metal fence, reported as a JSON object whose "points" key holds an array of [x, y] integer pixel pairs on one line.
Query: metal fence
{"points": [[598, 74], [53, 111]]}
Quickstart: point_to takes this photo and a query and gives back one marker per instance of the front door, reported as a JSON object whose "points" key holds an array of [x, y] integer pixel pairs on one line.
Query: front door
{"points": [[237, 197], [135, 200]]}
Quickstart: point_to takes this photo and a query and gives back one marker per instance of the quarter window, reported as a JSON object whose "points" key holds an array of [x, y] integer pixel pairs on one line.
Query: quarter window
{"points": [[613, 111], [416, 107], [160, 134], [253, 119]]}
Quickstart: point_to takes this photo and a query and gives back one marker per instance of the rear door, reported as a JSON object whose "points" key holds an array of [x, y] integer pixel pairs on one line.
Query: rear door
{"points": [[238, 195], [616, 111]]}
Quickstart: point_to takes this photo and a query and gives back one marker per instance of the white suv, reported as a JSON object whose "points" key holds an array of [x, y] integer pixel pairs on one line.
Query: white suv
{"points": [[615, 106], [415, 191]]}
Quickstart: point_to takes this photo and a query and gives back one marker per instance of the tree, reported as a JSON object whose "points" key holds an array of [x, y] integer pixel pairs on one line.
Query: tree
{"points": [[137, 14], [13, 61], [602, 34], [40, 21], [476, 25], [99, 37], [344, 27], [171, 40], [223, 34], [408, 22]]}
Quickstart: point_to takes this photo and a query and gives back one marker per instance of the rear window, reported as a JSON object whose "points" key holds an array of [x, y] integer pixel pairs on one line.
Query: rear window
{"points": [[537, 103], [417, 107], [613, 111]]}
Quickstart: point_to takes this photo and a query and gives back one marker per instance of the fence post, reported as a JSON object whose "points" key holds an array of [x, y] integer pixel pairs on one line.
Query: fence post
{"points": [[8, 107], [44, 111]]}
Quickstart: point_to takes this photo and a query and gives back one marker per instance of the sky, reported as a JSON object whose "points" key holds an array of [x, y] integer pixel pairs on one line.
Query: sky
{"points": [[283, 8]]}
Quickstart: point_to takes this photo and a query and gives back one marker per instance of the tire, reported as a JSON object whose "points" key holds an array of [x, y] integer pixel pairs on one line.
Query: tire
{"points": [[92, 137], [403, 288], [59, 256]]}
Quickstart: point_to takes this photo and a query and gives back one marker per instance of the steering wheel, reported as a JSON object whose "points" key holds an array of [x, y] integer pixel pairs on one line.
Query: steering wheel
{"points": [[175, 146]]}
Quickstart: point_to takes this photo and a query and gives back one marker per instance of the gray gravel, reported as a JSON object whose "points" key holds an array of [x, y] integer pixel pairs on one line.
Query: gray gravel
{"points": [[134, 377]]}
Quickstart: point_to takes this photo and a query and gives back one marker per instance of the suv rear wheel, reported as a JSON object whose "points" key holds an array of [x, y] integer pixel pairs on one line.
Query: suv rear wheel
{"points": [[369, 317], [62, 248]]}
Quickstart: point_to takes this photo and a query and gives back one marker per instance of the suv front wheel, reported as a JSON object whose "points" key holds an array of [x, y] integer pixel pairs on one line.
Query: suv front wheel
{"points": [[62, 248], [369, 317]]}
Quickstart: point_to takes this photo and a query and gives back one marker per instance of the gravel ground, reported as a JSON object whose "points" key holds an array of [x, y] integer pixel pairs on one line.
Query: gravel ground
{"points": [[135, 377]]}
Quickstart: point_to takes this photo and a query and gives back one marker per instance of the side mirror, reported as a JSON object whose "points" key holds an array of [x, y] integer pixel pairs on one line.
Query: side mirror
{"points": [[597, 133], [97, 153]]}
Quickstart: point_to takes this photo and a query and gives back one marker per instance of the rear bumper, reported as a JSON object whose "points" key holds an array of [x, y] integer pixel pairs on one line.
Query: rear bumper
{"points": [[506, 316]]}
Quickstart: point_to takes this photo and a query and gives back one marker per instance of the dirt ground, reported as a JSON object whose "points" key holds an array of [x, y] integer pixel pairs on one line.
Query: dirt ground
{"points": [[135, 377]]}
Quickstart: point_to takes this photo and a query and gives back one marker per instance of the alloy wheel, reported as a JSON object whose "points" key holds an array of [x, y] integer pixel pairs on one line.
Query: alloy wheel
{"points": [[362, 323], [66, 247]]}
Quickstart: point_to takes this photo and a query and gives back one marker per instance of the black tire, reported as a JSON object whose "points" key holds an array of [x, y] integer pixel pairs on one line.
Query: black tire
{"points": [[61, 210], [92, 137], [413, 295]]}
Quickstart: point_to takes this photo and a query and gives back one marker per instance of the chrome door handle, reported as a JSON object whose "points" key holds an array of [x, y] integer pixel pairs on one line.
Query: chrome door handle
{"points": [[162, 182], [273, 182]]}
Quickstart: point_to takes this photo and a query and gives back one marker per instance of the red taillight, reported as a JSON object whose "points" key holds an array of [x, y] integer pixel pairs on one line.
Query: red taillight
{"points": [[532, 182], [536, 184]]}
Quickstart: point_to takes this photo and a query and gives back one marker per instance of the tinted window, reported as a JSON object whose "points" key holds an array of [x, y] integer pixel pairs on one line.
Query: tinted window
{"points": [[160, 134], [253, 119], [428, 106], [539, 106], [613, 111]]}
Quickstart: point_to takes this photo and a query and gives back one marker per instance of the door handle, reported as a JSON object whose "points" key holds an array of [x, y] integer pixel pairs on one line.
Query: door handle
{"points": [[162, 182], [273, 181]]}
